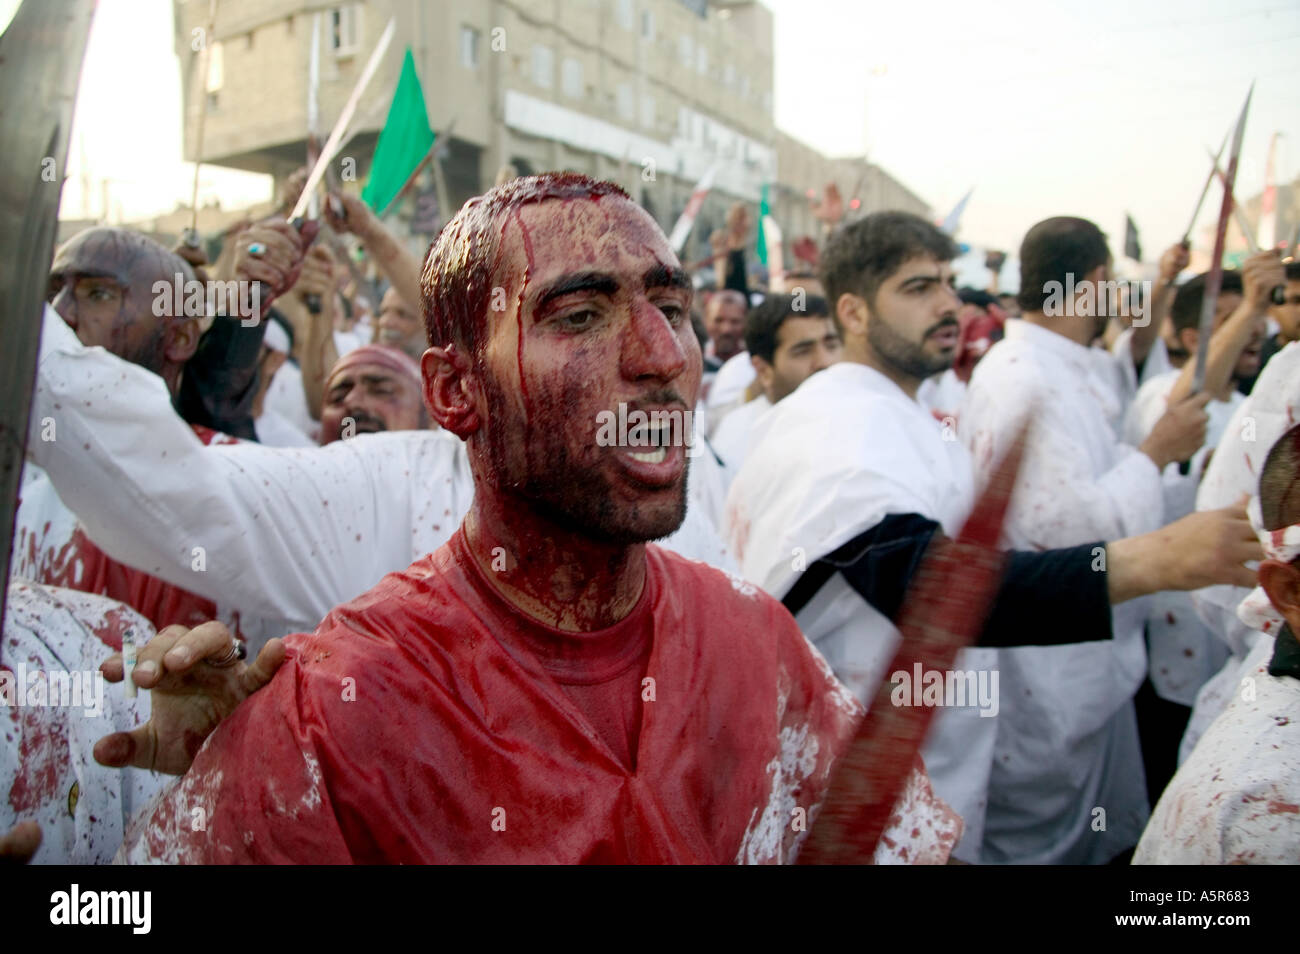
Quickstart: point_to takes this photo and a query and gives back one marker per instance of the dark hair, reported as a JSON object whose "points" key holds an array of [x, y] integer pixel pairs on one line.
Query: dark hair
{"points": [[1293, 270], [764, 321], [1185, 312], [1279, 482], [459, 270], [975, 296], [1053, 249], [860, 256]]}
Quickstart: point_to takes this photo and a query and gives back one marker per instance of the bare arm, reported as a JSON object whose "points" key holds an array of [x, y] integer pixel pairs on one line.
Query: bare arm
{"points": [[399, 266]]}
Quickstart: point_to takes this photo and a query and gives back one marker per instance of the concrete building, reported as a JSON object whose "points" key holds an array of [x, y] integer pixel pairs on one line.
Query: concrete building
{"points": [[649, 93]]}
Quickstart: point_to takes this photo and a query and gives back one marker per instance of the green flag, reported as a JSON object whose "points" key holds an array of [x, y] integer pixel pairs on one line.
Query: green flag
{"points": [[405, 140], [763, 212]]}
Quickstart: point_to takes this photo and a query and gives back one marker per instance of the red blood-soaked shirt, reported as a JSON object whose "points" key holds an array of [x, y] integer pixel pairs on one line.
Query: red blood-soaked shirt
{"points": [[415, 726]]}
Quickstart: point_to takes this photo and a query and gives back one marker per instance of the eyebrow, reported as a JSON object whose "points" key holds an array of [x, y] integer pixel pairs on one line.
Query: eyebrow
{"points": [[924, 280], [602, 283], [666, 276]]}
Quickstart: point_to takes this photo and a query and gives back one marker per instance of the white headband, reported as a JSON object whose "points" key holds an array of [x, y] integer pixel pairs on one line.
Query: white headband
{"points": [[1283, 544]]}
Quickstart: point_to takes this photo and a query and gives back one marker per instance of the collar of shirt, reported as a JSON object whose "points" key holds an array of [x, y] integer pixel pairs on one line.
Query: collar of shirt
{"points": [[570, 658], [1286, 655], [851, 374], [1059, 345]]}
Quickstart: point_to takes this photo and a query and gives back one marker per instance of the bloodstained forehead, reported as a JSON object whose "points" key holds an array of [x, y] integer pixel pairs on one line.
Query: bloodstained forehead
{"points": [[132, 259], [456, 285]]}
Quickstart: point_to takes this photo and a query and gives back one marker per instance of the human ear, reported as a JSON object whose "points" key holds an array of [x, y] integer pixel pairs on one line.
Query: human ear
{"points": [[448, 392]]}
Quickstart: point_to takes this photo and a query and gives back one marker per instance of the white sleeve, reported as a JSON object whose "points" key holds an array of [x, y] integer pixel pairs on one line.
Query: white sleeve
{"points": [[281, 533], [1059, 500]]}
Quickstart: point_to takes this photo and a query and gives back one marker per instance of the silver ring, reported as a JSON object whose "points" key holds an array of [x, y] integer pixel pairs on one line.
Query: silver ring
{"points": [[232, 656], [256, 248]]}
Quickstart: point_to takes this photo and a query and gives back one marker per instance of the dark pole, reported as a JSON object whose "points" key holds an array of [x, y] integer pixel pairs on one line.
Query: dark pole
{"points": [[40, 64]]}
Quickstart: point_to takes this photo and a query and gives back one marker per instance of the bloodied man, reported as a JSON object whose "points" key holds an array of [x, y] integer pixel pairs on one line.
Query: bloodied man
{"points": [[547, 686], [102, 284]]}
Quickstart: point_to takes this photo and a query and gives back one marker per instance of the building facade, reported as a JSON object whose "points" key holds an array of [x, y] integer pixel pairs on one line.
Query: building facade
{"points": [[648, 93]]}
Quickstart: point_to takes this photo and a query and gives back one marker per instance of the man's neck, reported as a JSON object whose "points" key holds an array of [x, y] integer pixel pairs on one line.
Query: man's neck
{"points": [[547, 571], [865, 354], [1078, 330]]}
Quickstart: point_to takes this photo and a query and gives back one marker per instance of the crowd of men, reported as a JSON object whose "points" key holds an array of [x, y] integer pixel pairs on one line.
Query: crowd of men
{"points": [[514, 641]]}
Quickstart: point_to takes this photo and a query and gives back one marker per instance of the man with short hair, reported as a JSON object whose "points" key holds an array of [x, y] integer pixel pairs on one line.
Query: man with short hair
{"points": [[850, 479], [1067, 734], [1234, 800], [788, 338], [546, 687], [724, 319], [1286, 314], [372, 389]]}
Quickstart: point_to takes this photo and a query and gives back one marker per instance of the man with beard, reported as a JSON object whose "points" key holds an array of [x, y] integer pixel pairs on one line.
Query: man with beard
{"points": [[546, 687], [1067, 736], [372, 389], [116, 289], [850, 478]]}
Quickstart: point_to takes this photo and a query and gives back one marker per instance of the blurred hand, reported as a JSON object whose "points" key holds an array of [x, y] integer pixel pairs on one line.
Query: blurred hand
{"points": [[318, 275], [190, 696], [1173, 262], [1211, 547], [1179, 433], [1260, 274], [293, 190], [347, 213], [831, 208], [18, 847]]}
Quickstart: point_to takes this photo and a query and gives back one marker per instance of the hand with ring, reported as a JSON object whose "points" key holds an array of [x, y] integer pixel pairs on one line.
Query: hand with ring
{"points": [[197, 678], [271, 252]]}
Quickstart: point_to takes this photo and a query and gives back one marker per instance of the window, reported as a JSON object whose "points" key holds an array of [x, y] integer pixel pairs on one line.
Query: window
{"points": [[216, 68], [345, 29], [624, 14], [647, 25], [626, 109], [469, 48], [685, 49], [543, 66], [571, 77], [728, 76], [702, 59]]}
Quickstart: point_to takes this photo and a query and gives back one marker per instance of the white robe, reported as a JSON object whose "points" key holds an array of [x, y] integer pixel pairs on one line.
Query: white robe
{"points": [[1272, 407], [287, 533], [1184, 652], [1067, 732], [728, 390], [734, 436], [943, 395], [1235, 800], [1126, 380], [49, 773], [830, 461]]}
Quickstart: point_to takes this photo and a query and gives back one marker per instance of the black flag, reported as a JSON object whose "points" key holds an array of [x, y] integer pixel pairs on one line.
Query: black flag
{"points": [[1132, 248]]}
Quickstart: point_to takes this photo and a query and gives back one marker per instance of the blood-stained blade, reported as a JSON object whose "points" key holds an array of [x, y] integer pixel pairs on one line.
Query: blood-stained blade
{"points": [[1205, 189], [331, 144], [947, 603], [1247, 232], [1214, 281]]}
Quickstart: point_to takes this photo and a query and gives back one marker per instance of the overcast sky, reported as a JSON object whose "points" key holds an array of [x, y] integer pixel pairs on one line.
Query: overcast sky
{"points": [[1046, 108]]}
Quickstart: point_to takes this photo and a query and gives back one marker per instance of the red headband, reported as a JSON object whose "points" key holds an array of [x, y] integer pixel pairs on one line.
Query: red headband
{"points": [[392, 359]]}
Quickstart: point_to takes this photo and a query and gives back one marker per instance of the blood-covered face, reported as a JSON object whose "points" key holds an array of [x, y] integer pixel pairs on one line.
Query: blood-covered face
{"points": [[594, 313], [102, 284]]}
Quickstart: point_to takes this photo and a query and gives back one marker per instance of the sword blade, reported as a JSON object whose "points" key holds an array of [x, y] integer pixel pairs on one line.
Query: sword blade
{"points": [[947, 603], [1214, 281], [331, 144]]}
